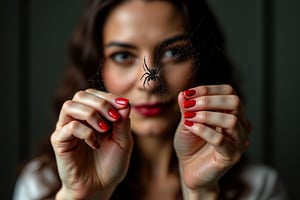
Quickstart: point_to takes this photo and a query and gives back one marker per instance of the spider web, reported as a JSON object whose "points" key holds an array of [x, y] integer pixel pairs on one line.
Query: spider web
{"points": [[199, 49]]}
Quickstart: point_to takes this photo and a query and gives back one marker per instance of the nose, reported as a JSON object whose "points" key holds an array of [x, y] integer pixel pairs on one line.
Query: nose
{"points": [[150, 78]]}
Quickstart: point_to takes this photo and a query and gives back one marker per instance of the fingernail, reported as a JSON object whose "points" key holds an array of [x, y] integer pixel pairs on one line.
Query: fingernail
{"points": [[103, 125], [188, 123], [189, 92], [122, 101], [189, 114], [189, 103], [113, 113]]}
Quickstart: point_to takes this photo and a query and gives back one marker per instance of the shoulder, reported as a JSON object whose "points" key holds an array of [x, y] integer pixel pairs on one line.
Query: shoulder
{"points": [[36, 180], [263, 182]]}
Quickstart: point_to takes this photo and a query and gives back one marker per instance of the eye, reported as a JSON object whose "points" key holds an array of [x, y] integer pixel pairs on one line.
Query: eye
{"points": [[177, 53], [122, 58], [171, 53]]}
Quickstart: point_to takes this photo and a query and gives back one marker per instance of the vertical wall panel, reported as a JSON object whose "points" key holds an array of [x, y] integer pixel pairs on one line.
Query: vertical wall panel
{"points": [[287, 86], [241, 22], [9, 100], [51, 26]]}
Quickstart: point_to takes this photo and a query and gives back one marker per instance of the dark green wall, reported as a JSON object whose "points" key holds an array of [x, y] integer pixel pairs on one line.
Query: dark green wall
{"points": [[262, 41]]}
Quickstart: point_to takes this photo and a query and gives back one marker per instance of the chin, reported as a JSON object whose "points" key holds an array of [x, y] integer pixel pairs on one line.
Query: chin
{"points": [[153, 127]]}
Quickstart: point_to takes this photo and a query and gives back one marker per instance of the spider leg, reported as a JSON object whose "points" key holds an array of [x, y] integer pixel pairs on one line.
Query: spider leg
{"points": [[145, 74], [146, 80], [146, 68]]}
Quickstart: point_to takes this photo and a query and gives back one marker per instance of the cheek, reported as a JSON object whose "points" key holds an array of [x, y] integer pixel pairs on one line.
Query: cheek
{"points": [[116, 81], [180, 77]]}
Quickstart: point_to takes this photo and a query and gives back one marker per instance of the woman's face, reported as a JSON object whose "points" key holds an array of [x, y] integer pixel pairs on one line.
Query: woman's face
{"points": [[138, 30]]}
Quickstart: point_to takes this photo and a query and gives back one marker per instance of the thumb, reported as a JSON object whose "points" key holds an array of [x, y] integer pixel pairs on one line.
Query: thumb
{"points": [[181, 99], [182, 133], [121, 131]]}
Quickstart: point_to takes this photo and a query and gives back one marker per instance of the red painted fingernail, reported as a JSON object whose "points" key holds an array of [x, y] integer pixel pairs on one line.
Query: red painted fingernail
{"points": [[189, 103], [113, 113], [122, 101], [103, 125], [188, 123], [189, 92], [189, 114]]}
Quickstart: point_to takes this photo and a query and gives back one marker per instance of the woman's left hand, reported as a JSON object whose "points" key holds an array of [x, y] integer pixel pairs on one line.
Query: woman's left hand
{"points": [[212, 135]]}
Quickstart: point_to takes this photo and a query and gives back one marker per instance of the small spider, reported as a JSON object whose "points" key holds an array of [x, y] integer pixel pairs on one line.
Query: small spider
{"points": [[151, 74]]}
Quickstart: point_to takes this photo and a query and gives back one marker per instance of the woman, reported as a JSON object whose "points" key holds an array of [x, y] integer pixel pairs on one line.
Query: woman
{"points": [[166, 121]]}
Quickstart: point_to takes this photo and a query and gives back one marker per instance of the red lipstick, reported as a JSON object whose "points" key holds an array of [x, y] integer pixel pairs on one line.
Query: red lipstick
{"points": [[149, 110]]}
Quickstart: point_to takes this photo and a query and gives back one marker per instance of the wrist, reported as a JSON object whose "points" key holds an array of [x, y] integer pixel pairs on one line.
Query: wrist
{"points": [[63, 194], [211, 193]]}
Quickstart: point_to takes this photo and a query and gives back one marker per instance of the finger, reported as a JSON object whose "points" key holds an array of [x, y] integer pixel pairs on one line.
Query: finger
{"points": [[121, 131], [238, 137], [223, 103], [181, 100], [69, 134], [207, 90], [104, 107], [116, 101], [229, 122], [216, 90], [72, 110], [216, 102], [216, 139]]}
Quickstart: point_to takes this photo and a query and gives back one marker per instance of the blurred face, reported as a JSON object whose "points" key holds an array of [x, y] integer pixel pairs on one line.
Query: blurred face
{"points": [[138, 35]]}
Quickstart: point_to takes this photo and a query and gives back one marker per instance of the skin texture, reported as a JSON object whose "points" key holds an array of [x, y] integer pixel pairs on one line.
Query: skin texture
{"points": [[93, 137], [144, 32]]}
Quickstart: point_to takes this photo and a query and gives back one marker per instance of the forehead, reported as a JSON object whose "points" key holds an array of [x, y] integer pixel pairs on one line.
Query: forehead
{"points": [[144, 18]]}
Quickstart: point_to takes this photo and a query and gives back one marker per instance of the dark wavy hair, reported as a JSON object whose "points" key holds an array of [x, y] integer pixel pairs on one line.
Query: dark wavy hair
{"points": [[84, 57]]}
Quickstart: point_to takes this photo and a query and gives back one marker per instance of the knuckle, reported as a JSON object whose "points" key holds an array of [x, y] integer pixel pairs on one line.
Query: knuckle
{"points": [[53, 138], [73, 125], [217, 139], [109, 96], [205, 100], [67, 104], [200, 128], [90, 90], [80, 94], [204, 90], [92, 113], [232, 121], [236, 101], [100, 103], [229, 89], [203, 116]]}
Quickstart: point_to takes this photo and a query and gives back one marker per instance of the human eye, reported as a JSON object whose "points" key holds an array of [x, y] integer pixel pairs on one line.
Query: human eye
{"points": [[177, 53], [122, 58]]}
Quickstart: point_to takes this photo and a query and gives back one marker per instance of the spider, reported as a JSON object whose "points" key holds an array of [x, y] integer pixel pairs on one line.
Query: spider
{"points": [[151, 74]]}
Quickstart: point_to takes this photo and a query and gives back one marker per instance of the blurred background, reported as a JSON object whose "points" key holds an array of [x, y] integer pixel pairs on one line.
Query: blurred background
{"points": [[263, 41]]}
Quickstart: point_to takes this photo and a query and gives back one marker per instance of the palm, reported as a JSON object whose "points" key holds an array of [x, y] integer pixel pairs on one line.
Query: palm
{"points": [[202, 165], [87, 170]]}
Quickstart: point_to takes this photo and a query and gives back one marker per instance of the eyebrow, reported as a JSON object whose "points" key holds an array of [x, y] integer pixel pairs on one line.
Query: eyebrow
{"points": [[120, 44], [166, 42], [176, 38]]}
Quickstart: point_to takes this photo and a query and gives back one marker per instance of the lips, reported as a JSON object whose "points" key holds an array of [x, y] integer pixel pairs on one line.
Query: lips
{"points": [[150, 110]]}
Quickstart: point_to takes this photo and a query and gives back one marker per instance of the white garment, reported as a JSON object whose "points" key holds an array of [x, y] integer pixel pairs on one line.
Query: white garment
{"points": [[33, 184], [264, 183]]}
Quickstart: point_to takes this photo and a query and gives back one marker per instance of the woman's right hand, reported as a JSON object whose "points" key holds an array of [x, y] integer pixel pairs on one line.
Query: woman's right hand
{"points": [[92, 144]]}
